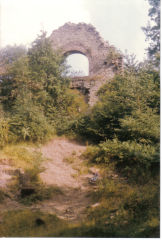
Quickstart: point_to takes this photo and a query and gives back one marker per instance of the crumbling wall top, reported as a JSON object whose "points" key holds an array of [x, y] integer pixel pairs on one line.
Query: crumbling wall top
{"points": [[85, 39]]}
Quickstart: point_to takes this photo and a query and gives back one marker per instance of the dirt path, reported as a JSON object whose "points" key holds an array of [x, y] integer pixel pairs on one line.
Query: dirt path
{"points": [[64, 170], [69, 177], [58, 171]]}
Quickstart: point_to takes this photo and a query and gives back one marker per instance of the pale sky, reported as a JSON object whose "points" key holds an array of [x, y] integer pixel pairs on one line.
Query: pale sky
{"points": [[118, 21]]}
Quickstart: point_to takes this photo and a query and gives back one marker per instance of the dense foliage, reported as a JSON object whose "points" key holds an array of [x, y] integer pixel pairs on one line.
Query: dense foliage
{"points": [[35, 98], [126, 120]]}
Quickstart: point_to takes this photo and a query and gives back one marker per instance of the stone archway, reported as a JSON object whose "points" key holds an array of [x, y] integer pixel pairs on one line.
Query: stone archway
{"points": [[84, 39]]}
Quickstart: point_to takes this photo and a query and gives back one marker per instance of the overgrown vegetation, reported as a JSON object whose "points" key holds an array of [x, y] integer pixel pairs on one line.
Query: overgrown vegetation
{"points": [[123, 126], [124, 211], [27, 223], [126, 121], [36, 101]]}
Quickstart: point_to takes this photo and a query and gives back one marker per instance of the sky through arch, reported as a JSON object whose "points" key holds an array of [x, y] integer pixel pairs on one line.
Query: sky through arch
{"points": [[78, 65]]}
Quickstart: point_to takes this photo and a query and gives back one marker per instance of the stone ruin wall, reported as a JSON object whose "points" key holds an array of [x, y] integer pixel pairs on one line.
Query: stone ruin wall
{"points": [[83, 38]]}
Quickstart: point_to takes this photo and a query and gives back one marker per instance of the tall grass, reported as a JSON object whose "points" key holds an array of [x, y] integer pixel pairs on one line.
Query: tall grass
{"points": [[26, 223]]}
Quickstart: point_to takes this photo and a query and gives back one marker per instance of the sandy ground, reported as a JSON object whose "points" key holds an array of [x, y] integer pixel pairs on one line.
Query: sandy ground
{"points": [[58, 172]]}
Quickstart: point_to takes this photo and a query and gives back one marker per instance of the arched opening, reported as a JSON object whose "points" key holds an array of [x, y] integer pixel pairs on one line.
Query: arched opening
{"points": [[77, 65]]}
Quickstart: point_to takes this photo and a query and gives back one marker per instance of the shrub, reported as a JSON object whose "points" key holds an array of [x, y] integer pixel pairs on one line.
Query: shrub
{"points": [[129, 157], [28, 121], [141, 126]]}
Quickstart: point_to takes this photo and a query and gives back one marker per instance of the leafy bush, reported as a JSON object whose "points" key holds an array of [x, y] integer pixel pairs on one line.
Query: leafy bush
{"points": [[144, 127], [129, 157], [28, 121]]}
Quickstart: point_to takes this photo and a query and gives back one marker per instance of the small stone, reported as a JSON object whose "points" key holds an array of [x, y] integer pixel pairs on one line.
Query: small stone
{"points": [[95, 205]]}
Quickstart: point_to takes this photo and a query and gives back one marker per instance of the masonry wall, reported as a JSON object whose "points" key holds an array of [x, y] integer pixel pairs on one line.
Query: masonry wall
{"points": [[83, 38]]}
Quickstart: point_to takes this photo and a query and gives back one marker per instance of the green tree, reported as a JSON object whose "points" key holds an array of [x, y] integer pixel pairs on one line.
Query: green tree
{"points": [[124, 96], [52, 87], [15, 81], [47, 67], [126, 121], [152, 31], [37, 78]]}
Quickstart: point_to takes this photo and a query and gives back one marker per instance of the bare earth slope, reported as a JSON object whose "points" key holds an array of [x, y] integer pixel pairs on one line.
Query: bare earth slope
{"points": [[76, 197], [58, 172], [65, 171]]}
